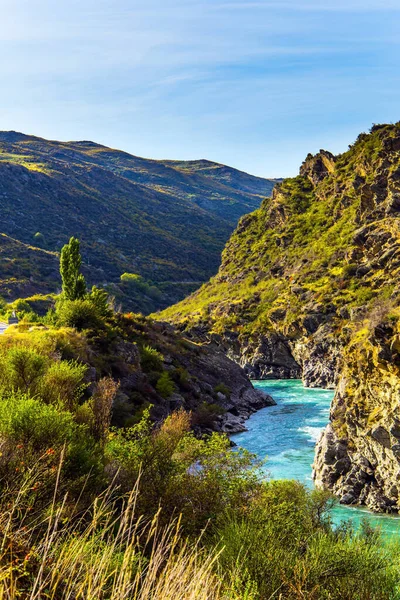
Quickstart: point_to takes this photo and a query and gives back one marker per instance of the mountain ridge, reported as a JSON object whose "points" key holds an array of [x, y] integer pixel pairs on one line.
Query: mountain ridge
{"points": [[118, 205]]}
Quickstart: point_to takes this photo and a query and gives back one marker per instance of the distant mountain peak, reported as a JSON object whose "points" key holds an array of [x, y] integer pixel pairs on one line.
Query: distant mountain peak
{"points": [[15, 136]]}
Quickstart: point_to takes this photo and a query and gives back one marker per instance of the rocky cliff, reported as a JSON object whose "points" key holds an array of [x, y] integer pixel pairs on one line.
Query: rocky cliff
{"points": [[308, 286], [358, 454]]}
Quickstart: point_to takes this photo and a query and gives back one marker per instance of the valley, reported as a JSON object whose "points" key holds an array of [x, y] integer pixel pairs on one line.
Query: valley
{"points": [[163, 222]]}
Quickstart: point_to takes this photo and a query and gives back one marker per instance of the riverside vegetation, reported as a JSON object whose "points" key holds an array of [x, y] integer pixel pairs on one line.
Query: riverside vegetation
{"points": [[309, 287], [114, 484]]}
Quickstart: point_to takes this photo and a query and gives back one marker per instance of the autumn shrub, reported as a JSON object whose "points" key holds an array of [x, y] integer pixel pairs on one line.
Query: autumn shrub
{"points": [[101, 404]]}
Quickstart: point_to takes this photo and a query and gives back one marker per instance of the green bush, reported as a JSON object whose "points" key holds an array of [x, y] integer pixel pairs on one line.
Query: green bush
{"points": [[165, 386], [80, 314], [221, 387], [25, 366], [206, 414], [37, 427], [99, 298], [63, 383], [284, 541], [151, 360]]}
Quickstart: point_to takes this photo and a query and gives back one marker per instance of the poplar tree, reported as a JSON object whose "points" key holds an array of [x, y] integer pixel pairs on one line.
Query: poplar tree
{"points": [[73, 282]]}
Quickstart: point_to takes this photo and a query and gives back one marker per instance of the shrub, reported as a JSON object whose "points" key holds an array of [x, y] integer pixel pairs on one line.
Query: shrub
{"points": [[151, 359], [223, 389], [39, 240], [63, 383], [99, 299], [25, 367], [283, 541], [80, 314], [165, 386], [198, 478], [101, 403], [37, 427], [206, 414]]}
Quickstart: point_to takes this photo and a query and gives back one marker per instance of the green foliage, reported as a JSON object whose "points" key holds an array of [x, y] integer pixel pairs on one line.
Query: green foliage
{"points": [[151, 359], [206, 414], [73, 282], [198, 478], [223, 389], [63, 383], [25, 366], [81, 314], [132, 278], [37, 428], [30, 422], [39, 240], [284, 541], [165, 386], [99, 298]]}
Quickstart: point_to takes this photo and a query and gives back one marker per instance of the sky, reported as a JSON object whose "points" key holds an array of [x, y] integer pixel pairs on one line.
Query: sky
{"points": [[253, 84]]}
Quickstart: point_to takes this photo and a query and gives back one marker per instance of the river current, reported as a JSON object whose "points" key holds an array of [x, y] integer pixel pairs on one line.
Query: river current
{"points": [[286, 434]]}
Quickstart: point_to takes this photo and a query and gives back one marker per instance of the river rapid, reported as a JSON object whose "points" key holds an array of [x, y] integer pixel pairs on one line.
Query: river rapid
{"points": [[286, 435]]}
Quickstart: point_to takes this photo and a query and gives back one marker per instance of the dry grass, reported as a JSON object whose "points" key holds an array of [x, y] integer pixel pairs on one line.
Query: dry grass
{"points": [[106, 553]]}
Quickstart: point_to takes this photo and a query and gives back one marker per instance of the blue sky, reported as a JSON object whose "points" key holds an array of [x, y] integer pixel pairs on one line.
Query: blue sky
{"points": [[256, 85]]}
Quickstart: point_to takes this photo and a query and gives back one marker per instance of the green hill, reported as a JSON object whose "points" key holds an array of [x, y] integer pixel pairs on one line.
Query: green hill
{"points": [[164, 220], [309, 287]]}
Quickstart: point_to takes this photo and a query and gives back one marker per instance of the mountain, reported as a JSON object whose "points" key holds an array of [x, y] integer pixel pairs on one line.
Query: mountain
{"points": [[309, 287], [166, 221]]}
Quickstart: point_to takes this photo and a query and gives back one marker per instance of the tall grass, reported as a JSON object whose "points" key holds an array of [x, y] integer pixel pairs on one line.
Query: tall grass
{"points": [[108, 552]]}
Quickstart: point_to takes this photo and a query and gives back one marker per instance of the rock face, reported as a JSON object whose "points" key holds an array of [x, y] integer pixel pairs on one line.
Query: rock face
{"points": [[205, 381], [309, 286], [358, 454], [268, 357]]}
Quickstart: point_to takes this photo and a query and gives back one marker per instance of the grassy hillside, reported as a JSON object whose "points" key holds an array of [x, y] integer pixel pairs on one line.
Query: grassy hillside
{"points": [[326, 243], [164, 220]]}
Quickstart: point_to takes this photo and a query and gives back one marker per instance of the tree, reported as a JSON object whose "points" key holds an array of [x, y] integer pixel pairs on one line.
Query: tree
{"points": [[73, 282]]}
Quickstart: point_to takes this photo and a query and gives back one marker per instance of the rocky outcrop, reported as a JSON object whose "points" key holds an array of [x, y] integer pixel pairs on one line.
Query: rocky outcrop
{"points": [[268, 357], [317, 167], [358, 454], [204, 380]]}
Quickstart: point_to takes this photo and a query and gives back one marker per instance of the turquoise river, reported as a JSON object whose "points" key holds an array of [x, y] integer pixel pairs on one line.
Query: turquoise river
{"points": [[286, 434]]}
